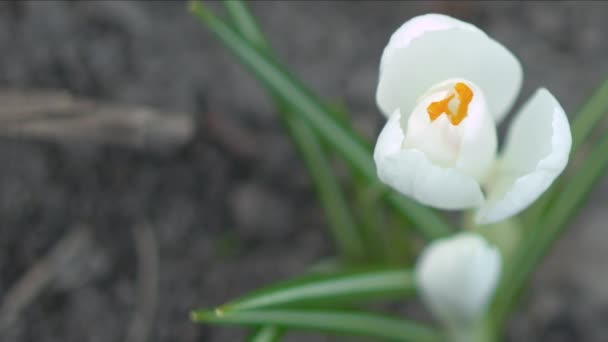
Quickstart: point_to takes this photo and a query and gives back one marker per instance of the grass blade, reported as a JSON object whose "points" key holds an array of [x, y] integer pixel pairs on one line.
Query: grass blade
{"points": [[332, 289], [245, 23], [343, 227], [592, 112], [268, 333], [349, 146], [345, 323], [327, 187]]}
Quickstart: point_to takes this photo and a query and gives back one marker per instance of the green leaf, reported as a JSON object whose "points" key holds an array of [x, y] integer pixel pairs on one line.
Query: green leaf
{"points": [[326, 290], [347, 323], [536, 245], [268, 333], [355, 151], [373, 223], [245, 23], [342, 226], [592, 112]]}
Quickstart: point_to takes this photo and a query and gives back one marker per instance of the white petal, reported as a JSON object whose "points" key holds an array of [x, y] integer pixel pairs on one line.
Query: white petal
{"points": [[411, 173], [537, 150], [457, 276], [431, 48], [469, 147], [439, 140], [478, 143]]}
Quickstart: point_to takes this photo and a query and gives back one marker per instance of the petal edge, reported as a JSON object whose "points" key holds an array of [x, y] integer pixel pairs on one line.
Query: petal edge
{"points": [[536, 153], [415, 59], [411, 173]]}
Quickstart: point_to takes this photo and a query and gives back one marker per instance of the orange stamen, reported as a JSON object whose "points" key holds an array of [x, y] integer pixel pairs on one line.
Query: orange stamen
{"points": [[465, 96], [437, 108]]}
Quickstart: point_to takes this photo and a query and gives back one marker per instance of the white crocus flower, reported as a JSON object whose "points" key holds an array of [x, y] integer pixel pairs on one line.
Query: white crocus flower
{"points": [[456, 277], [444, 86]]}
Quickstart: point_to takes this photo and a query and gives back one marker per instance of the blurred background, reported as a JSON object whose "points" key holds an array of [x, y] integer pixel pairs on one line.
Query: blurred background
{"points": [[143, 172]]}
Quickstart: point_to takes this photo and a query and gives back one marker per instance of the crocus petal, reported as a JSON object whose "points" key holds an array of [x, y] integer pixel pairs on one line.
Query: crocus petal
{"points": [[410, 172], [431, 48], [478, 146], [457, 277], [537, 150], [469, 147]]}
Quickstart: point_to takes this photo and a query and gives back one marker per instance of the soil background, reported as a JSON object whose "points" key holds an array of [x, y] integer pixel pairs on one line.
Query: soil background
{"points": [[233, 208]]}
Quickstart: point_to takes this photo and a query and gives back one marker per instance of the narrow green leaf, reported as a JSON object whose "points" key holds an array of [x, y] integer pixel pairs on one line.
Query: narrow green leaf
{"points": [[350, 146], [290, 91], [326, 290], [347, 323], [327, 187], [268, 333], [342, 226], [373, 224], [535, 246], [245, 23], [592, 112], [370, 212]]}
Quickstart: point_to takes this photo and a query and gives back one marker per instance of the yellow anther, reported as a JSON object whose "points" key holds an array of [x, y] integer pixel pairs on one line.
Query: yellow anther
{"points": [[465, 96]]}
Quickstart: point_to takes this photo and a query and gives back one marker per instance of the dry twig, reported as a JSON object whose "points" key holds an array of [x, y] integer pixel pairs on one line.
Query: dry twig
{"points": [[59, 117], [71, 247]]}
